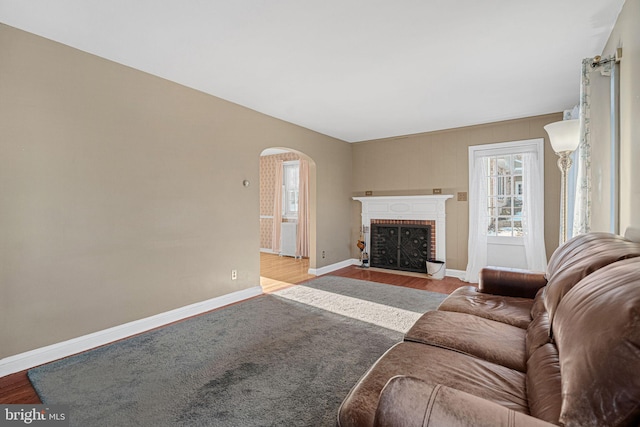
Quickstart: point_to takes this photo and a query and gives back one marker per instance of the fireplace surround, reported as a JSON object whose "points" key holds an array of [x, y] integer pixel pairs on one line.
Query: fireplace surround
{"points": [[418, 211]]}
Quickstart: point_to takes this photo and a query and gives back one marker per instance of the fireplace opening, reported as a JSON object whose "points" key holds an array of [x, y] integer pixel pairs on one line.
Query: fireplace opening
{"points": [[404, 247]]}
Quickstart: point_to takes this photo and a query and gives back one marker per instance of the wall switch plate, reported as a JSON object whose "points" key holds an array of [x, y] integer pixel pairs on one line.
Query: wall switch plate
{"points": [[437, 191], [462, 196], [368, 193]]}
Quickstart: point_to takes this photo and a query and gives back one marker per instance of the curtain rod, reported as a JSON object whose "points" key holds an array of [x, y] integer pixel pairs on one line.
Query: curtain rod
{"points": [[597, 60]]}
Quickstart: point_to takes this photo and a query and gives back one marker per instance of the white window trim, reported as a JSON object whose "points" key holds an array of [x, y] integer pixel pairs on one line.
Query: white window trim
{"points": [[501, 148]]}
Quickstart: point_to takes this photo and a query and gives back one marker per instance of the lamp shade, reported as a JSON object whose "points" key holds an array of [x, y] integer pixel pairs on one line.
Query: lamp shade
{"points": [[564, 135]]}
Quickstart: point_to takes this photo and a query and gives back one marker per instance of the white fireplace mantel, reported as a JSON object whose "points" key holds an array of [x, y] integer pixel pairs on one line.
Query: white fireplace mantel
{"points": [[425, 208]]}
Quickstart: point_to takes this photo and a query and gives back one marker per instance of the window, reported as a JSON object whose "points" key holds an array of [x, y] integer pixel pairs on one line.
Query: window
{"points": [[504, 195], [290, 186], [506, 206]]}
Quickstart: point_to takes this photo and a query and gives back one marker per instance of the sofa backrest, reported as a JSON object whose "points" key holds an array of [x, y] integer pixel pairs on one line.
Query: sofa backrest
{"points": [[597, 335], [580, 257]]}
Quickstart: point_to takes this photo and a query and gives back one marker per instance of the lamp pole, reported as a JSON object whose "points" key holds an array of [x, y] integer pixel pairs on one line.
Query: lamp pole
{"points": [[564, 164]]}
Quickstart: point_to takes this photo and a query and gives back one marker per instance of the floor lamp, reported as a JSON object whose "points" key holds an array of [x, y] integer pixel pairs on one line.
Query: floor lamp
{"points": [[565, 138]]}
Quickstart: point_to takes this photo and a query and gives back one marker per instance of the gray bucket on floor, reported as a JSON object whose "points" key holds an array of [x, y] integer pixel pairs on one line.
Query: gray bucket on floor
{"points": [[436, 269]]}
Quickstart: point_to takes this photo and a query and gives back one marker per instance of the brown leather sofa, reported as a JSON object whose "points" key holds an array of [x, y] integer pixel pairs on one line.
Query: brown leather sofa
{"points": [[522, 349]]}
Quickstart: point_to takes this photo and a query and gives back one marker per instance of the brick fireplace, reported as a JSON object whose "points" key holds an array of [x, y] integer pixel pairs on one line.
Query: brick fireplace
{"points": [[409, 229]]}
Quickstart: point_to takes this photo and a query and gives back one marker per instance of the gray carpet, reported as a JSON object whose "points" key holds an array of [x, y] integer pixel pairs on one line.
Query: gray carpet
{"points": [[285, 359]]}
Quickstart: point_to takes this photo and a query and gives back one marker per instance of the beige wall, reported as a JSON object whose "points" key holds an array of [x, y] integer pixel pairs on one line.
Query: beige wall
{"points": [[417, 164], [626, 34], [121, 193]]}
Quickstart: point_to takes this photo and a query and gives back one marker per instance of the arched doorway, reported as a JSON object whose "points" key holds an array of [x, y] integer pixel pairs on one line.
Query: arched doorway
{"points": [[287, 217]]}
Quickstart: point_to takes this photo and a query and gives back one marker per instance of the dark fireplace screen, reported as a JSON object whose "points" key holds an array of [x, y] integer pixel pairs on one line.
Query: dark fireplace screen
{"points": [[400, 247]]}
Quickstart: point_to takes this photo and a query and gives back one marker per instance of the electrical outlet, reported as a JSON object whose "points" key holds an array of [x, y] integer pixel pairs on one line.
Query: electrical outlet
{"points": [[368, 193], [234, 274], [323, 255], [462, 196], [437, 191]]}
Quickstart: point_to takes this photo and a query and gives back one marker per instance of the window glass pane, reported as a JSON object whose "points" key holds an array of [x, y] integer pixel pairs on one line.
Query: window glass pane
{"points": [[517, 190], [517, 228], [493, 203], [507, 186], [504, 165], [504, 226], [517, 164], [491, 166], [491, 231], [493, 185], [517, 213], [517, 202], [505, 211], [505, 189], [291, 177]]}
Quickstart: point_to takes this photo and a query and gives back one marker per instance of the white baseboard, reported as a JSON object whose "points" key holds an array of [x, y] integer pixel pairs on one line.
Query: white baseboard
{"points": [[267, 251], [39, 356], [455, 273], [333, 267], [354, 261]]}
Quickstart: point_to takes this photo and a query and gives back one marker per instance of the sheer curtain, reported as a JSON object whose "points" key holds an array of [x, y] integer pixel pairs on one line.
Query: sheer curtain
{"points": [[302, 243], [533, 213], [277, 208], [583, 212], [582, 204], [477, 251]]}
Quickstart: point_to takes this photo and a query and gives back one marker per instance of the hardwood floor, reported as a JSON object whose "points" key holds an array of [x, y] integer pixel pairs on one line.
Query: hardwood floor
{"points": [[408, 280], [275, 273], [16, 388]]}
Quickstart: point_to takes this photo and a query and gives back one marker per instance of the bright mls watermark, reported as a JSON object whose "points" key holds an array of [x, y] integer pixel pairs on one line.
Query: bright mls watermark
{"points": [[34, 415]]}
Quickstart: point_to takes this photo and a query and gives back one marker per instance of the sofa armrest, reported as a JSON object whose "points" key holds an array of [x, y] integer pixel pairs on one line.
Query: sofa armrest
{"points": [[410, 402], [511, 282]]}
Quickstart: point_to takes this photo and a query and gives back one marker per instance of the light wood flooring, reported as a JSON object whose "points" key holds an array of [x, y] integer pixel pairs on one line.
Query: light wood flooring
{"points": [[275, 273]]}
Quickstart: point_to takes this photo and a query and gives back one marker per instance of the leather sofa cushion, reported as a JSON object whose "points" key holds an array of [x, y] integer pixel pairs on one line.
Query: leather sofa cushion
{"points": [[597, 332], [543, 384], [487, 339], [436, 365], [538, 304], [537, 334], [410, 402], [510, 310], [580, 257]]}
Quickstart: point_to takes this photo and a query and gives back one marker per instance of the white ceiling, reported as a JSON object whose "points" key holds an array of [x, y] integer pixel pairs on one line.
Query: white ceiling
{"points": [[351, 69]]}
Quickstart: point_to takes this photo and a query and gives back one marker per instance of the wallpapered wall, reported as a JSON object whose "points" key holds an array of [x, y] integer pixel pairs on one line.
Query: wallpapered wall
{"points": [[267, 191]]}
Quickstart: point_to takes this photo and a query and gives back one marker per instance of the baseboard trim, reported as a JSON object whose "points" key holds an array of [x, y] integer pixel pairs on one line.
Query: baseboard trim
{"points": [[354, 261], [455, 273], [39, 356], [332, 267]]}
